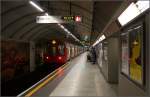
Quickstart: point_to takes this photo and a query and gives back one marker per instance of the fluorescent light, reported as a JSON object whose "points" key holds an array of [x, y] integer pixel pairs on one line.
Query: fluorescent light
{"points": [[137, 27], [66, 30], [46, 19], [36, 6], [61, 26], [130, 13], [133, 11], [103, 37], [86, 37], [143, 5], [99, 40], [50, 19], [46, 14], [58, 24]]}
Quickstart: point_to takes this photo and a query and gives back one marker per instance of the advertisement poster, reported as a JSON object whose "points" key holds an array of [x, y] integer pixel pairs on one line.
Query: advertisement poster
{"points": [[136, 55], [133, 54], [15, 59]]}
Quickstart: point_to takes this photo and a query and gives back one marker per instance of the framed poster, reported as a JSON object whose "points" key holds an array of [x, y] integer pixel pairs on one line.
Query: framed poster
{"points": [[133, 54], [136, 53]]}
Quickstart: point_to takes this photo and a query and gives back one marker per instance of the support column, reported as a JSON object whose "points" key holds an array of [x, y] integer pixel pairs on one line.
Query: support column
{"points": [[32, 56]]}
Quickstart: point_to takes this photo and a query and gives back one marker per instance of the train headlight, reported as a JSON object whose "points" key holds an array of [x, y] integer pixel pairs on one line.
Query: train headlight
{"points": [[47, 57], [59, 58], [53, 42]]}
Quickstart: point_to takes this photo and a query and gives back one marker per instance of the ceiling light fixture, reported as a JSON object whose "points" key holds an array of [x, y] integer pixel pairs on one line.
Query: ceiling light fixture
{"points": [[36, 6], [66, 30], [99, 40], [136, 9], [46, 14]]}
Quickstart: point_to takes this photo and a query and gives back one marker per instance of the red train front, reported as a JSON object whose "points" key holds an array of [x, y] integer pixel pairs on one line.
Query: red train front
{"points": [[56, 54]]}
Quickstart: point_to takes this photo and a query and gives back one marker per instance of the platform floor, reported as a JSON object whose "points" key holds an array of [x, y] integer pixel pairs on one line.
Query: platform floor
{"points": [[84, 79]]}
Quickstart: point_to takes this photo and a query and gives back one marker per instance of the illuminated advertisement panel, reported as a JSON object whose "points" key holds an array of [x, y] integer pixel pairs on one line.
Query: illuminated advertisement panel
{"points": [[136, 55], [132, 54]]}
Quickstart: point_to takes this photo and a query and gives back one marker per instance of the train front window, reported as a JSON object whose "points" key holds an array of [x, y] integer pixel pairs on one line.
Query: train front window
{"points": [[61, 49], [52, 51]]}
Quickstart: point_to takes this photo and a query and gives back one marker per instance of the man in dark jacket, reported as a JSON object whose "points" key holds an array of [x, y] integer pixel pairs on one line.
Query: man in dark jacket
{"points": [[93, 55]]}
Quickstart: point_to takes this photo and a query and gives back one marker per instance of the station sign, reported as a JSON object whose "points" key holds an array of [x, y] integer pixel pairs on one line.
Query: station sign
{"points": [[72, 18], [58, 19], [68, 18], [48, 19]]}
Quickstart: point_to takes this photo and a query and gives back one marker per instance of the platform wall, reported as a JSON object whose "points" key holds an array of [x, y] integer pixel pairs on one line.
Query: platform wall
{"points": [[129, 88], [109, 56]]}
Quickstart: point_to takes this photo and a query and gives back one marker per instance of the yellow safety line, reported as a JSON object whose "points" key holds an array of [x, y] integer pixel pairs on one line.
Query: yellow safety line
{"points": [[45, 82]]}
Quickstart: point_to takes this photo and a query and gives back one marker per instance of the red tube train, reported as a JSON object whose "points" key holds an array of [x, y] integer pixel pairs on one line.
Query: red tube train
{"points": [[58, 52]]}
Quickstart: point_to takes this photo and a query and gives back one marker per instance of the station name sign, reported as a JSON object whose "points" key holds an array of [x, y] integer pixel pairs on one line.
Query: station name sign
{"points": [[58, 19]]}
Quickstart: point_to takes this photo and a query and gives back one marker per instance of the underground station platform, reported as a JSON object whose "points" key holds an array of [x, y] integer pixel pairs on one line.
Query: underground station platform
{"points": [[75, 48]]}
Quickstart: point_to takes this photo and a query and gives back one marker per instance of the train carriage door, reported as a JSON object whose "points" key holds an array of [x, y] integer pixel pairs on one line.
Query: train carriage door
{"points": [[72, 51], [61, 50], [68, 51], [75, 51]]}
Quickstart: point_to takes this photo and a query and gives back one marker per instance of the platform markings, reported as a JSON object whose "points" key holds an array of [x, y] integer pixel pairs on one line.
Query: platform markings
{"points": [[36, 87]]}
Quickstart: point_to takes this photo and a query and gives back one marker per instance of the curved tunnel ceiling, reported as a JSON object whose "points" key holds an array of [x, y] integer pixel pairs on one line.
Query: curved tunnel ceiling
{"points": [[18, 19]]}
